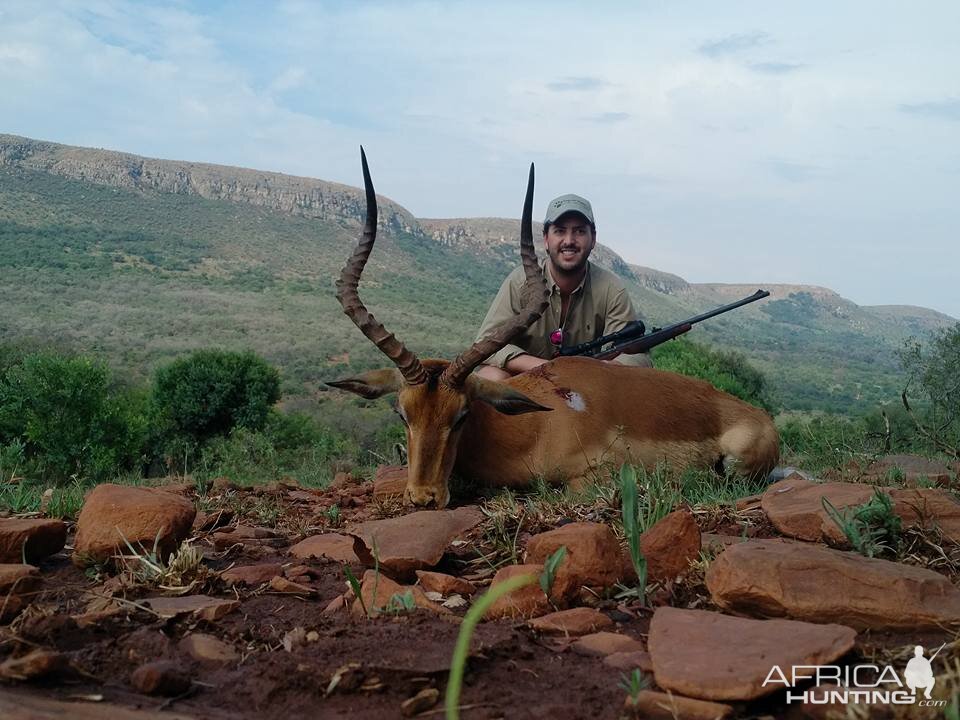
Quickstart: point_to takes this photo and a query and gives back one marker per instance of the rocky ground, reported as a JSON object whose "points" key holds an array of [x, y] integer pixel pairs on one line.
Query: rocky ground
{"points": [[254, 617]]}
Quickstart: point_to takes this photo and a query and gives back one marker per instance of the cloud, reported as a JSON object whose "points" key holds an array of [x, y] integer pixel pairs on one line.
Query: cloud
{"points": [[733, 44], [569, 84], [943, 109], [774, 68], [794, 172], [609, 117]]}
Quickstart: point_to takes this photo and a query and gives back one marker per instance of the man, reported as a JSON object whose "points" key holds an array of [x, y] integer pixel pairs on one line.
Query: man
{"points": [[586, 302]]}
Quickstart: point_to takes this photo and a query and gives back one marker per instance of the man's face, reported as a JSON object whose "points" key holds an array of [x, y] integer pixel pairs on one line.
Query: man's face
{"points": [[569, 242]]}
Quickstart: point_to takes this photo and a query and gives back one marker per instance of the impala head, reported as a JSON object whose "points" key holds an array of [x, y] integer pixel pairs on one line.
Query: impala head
{"points": [[434, 396]]}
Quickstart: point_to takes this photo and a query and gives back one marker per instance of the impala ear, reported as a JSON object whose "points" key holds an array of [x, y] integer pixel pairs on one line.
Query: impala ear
{"points": [[502, 398], [373, 384]]}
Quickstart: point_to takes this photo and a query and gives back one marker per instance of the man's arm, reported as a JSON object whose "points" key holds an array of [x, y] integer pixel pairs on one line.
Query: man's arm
{"points": [[504, 306]]}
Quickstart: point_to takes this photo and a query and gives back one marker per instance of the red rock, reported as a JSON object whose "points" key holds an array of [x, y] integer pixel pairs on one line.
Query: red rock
{"points": [[30, 539], [573, 622], [415, 541], [208, 650], [667, 706], [711, 656], [306, 496], [630, 660], [377, 593], [16, 579], [717, 543], [282, 585], [329, 545], [606, 643], [160, 678], [909, 470], [202, 606], [819, 584], [671, 545], [390, 482], [928, 508], [593, 557], [207, 521], [10, 607], [526, 602], [114, 515], [251, 575], [445, 584], [795, 507]]}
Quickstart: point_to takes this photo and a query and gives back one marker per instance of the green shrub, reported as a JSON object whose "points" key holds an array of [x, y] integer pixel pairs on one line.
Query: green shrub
{"points": [[210, 393], [727, 371], [933, 373], [68, 419]]}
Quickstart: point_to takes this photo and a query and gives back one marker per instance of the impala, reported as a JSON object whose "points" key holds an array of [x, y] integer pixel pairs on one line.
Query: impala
{"points": [[556, 422]]}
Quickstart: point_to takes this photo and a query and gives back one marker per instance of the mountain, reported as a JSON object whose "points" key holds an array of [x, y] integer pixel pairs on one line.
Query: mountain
{"points": [[139, 260]]}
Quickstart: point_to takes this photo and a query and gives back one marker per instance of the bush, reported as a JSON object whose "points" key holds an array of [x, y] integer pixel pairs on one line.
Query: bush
{"points": [[210, 393], [67, 418], [934, 377], [727, 371]]}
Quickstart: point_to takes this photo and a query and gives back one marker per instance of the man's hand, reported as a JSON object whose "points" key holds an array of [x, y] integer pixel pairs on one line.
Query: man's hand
{"points": [[523, 363]]}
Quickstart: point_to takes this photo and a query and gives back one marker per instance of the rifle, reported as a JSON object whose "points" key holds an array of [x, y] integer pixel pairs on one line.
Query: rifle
{"points": [[635, 338]]}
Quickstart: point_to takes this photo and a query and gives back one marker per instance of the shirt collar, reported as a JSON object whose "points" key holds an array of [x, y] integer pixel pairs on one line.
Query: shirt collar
{"points": [[552, 285]]}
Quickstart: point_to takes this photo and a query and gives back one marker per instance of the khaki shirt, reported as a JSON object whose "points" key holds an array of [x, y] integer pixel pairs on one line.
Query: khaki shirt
{"points": [[598, 306]]}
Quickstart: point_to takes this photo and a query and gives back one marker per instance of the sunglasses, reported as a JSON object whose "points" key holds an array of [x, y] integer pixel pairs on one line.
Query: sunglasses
{"points": [[556, 337]]}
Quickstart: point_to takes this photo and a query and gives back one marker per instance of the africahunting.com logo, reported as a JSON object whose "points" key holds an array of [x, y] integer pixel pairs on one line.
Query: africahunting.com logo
{"points": [[861, 684]]}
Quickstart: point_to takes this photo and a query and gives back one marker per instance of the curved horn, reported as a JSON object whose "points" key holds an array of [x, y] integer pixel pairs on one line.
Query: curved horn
{"points": [[353, 307], [533, 301]]}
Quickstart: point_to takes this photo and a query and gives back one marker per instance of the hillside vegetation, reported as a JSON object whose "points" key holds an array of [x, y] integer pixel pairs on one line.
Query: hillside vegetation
{"points": [[140, 261]]}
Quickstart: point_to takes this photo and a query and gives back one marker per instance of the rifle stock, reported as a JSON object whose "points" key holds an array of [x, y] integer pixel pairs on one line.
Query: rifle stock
{"points": [[634, 338]]}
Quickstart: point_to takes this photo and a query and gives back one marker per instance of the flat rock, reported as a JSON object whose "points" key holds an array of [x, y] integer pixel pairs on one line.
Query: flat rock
{"points": [[390, 482], [525, 602], [30, 541], [416, 541], [378, 591], [665, 706], [202, 606], [710, 656], [445, 584], [717, 543], [328, 545], [808, 582], [671, 545], [21, 706], [283, 585], [909, 470], [208, 650], [795, 507], [928, 508], [593, 557], [606, 643], [629, 660], [114, 515], [576, 621], [251, 575], [16, 578]]}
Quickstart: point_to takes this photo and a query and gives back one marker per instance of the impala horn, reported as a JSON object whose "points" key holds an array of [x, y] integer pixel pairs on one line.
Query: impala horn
{"points": [[353, 307], [533, 301]]}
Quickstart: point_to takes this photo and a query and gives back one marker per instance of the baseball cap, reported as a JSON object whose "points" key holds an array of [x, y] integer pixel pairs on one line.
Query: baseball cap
{"points": [[568, 203]]}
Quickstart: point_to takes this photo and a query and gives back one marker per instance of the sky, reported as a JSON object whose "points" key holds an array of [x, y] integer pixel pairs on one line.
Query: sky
{"points": [[742, 142]]}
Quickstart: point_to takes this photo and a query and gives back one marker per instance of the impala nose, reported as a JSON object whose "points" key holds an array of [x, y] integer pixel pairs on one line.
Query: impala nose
{"points": [[427, 497]]}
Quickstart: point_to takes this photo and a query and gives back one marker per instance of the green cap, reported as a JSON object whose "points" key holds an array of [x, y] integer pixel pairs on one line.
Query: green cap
{"points": [[568, 203]]}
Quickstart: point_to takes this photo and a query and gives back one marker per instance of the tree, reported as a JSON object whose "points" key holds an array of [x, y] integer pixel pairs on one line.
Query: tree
{"points": [[69, 419], [211, 392], [933, 374]]}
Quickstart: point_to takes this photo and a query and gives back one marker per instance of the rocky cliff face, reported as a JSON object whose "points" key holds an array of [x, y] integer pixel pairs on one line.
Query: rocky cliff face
{"points": [[287, 193]]}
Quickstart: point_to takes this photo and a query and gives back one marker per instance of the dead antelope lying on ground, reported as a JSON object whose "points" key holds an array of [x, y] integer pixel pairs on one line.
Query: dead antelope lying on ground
{"points": [[575, 411]]}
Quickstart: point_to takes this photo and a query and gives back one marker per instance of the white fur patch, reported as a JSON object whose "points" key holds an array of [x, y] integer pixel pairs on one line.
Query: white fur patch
{"points": [[575, 401]]}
